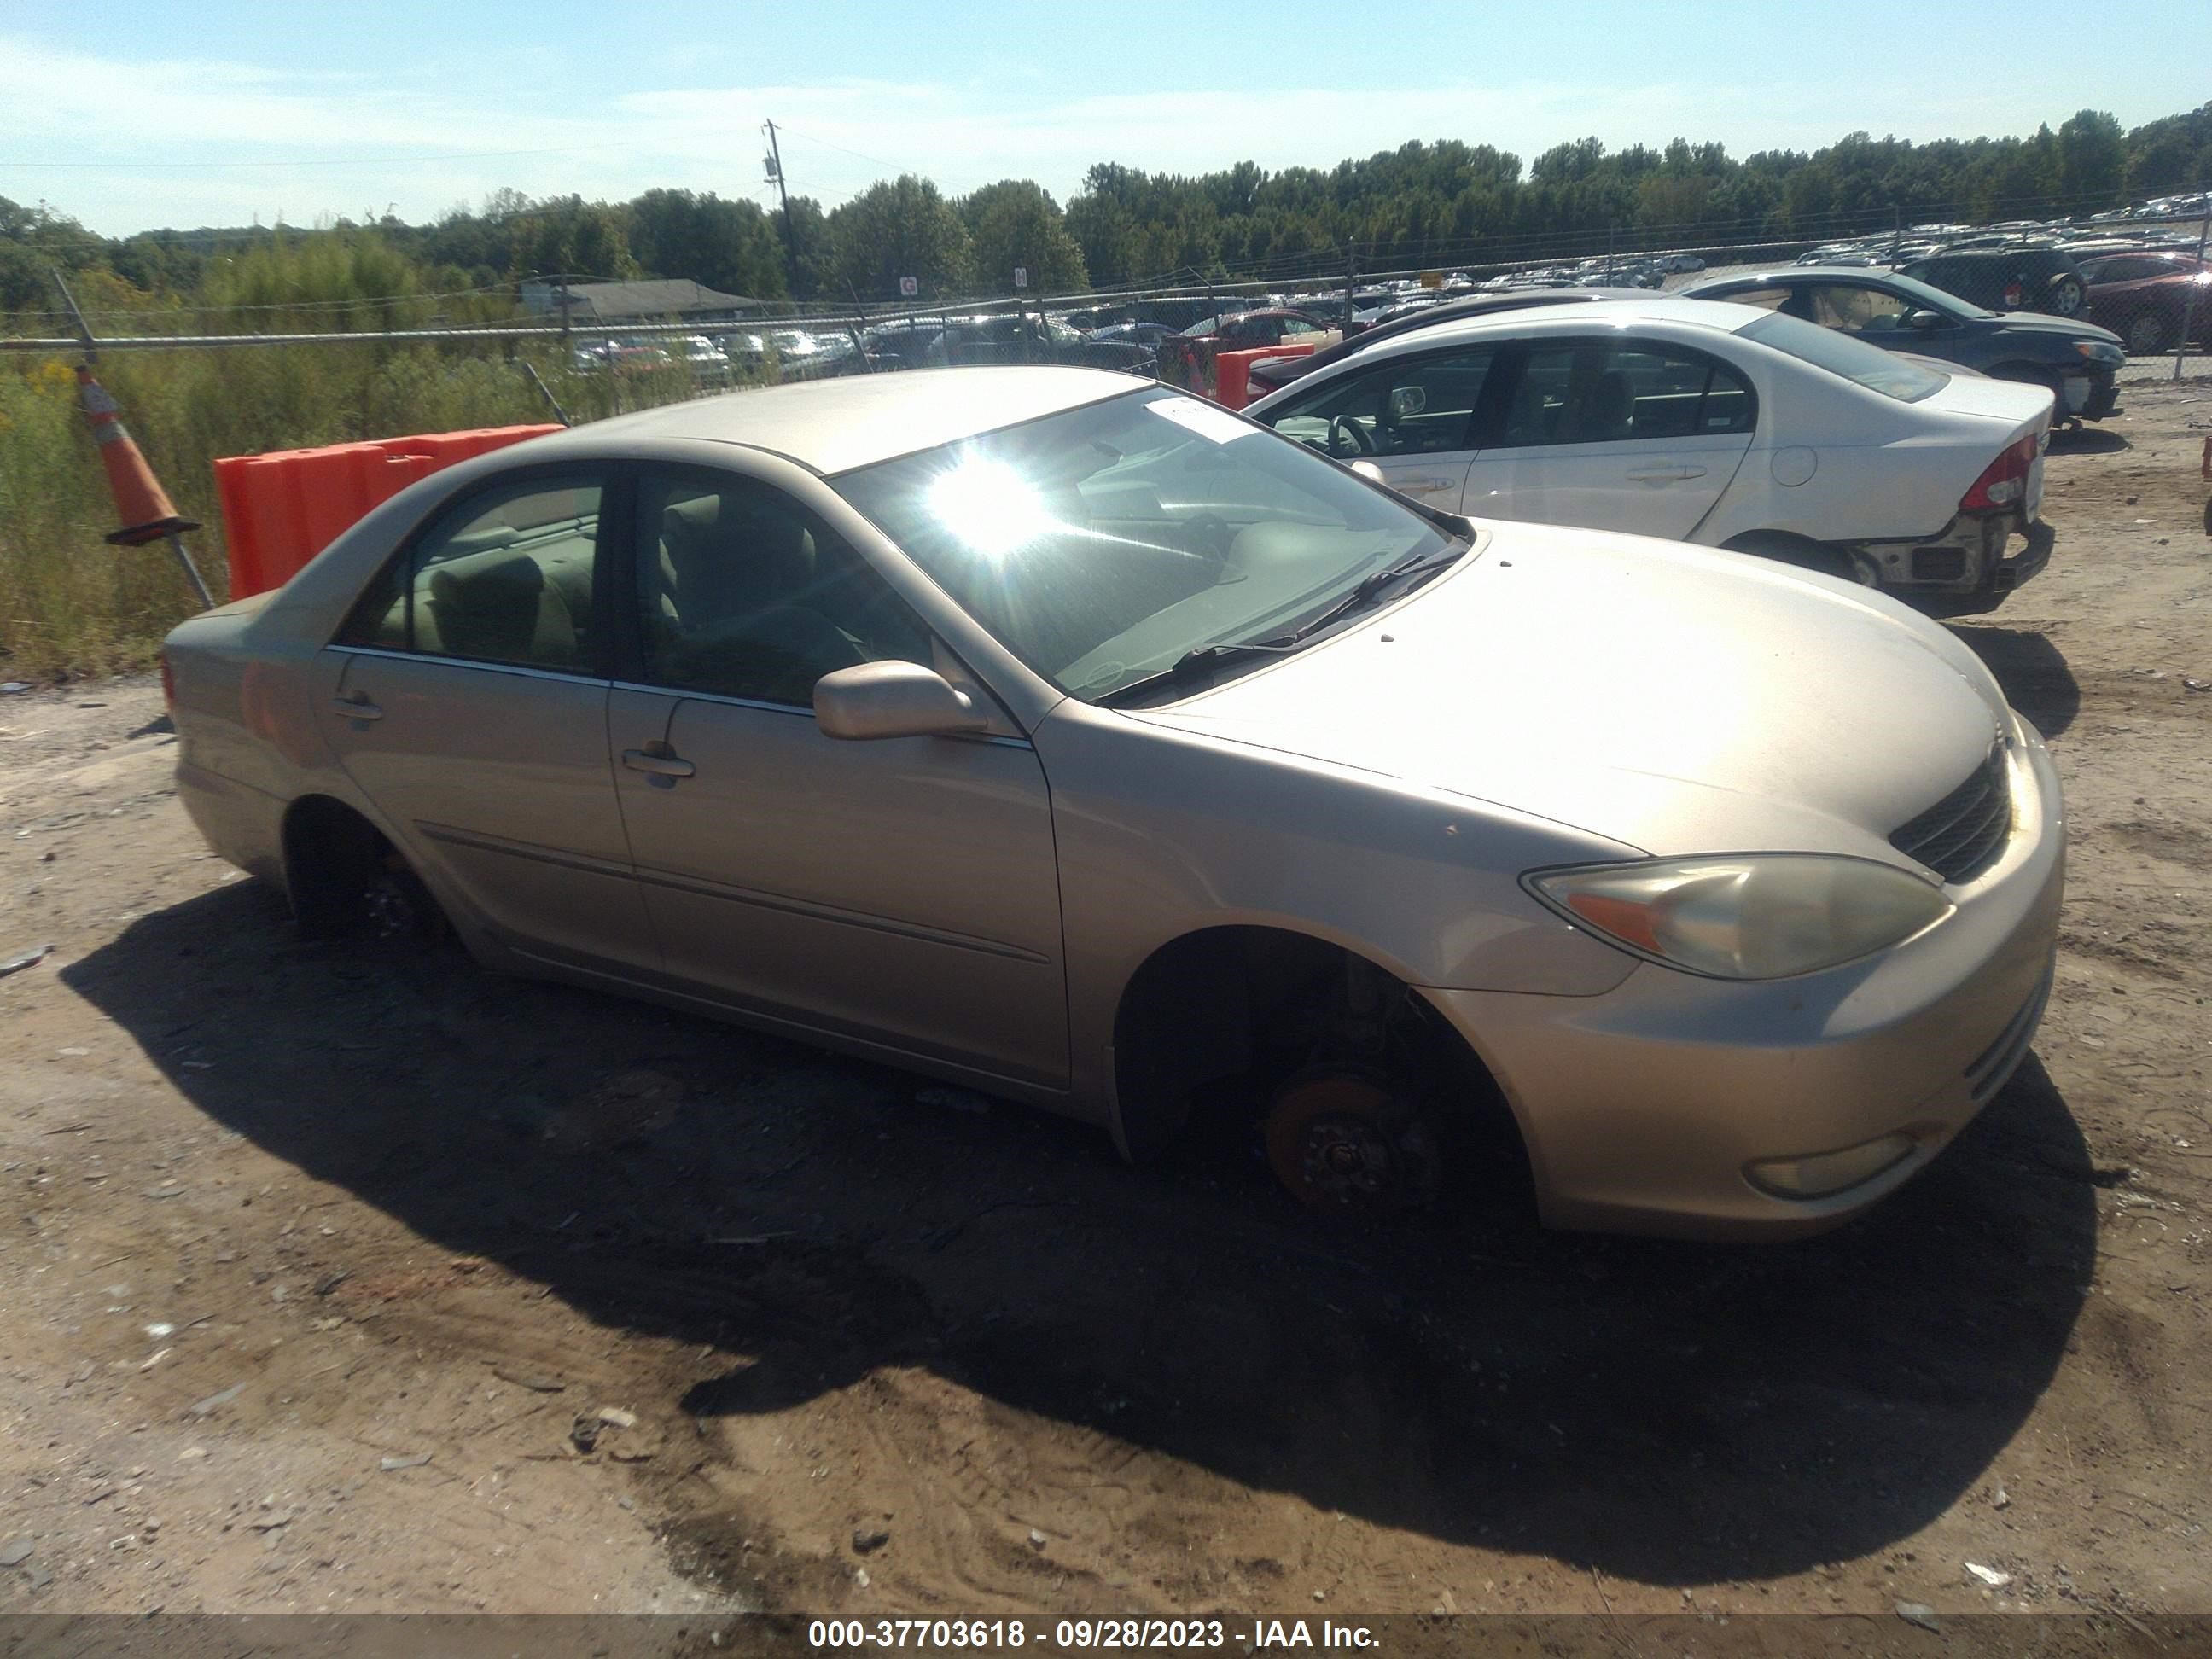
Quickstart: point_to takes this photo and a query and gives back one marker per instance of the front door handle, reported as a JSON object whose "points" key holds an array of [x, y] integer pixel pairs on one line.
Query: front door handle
{"points": [[1664, 474], [356, 707], [657, 760], [1402, 485]]}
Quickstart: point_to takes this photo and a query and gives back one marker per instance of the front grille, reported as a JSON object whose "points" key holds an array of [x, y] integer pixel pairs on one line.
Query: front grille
{"points": [[1961, 835]]}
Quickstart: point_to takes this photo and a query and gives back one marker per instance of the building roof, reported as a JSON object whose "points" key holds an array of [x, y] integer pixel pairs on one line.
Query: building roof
{"points": [[642, 301]]}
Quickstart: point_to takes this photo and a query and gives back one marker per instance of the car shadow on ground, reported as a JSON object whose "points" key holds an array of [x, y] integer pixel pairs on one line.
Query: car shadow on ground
{"points": [[2031, 670], [2088, 441], [1668, 1412]]}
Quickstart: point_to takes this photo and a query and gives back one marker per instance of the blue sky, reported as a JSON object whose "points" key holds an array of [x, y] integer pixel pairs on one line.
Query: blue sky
{"points": [[222, 111]]}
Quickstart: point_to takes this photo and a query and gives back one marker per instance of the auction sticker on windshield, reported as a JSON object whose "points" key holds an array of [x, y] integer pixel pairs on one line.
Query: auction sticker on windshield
{"points": [[1216, 424]]}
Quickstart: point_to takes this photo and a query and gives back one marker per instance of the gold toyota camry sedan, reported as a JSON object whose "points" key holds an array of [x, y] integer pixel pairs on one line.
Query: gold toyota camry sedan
{"points": [[1076, 740]]}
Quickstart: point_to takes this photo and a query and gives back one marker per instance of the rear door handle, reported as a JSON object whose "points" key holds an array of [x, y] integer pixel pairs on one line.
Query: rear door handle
{"points": [[1664, 474], [356, 707], [1422, 483], [657, 760]]}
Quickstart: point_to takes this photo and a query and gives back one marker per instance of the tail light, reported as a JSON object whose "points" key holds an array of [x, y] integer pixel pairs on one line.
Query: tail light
{"points": [[169, 685], [2004, 482], [2013, 293]]}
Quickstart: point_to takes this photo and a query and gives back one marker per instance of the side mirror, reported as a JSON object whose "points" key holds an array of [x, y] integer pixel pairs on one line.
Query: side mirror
{"points": [[1371, 472], [893, 699], [1406, 401], [1922, 319]]}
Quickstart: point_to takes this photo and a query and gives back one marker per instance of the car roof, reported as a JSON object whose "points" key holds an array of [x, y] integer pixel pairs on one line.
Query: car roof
{"points": [[1791, 274], [1422, 319], [834, 425], [1715, 314]]}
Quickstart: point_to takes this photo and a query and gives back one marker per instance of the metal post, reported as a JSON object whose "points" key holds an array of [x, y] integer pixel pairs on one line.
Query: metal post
{"points": [[538, 380], [2189, 305], [192, 571], [790, 234]]}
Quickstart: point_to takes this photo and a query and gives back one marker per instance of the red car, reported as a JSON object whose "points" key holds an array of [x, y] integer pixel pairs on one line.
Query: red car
{"points": [[2147, 296]]}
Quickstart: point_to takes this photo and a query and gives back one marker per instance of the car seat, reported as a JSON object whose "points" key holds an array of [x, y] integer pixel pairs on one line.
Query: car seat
{"points": [[1609, 409], [739, 577], [496, 607]]}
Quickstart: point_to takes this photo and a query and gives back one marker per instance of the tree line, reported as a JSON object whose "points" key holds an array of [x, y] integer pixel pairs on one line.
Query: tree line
{"points": [[1447, 201]]}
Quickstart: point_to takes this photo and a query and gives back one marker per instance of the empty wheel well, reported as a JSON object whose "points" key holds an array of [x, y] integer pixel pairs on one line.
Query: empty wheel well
{"points": [[1228, 1014], [330, 854]]}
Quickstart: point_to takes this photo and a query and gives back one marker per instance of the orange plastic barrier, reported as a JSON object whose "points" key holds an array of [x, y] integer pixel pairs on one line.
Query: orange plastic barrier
{"points": [[1232, 372], [279, 510]]}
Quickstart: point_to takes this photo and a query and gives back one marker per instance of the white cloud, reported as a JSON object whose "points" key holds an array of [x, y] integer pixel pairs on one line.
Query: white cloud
{"points": [[308, 135]]}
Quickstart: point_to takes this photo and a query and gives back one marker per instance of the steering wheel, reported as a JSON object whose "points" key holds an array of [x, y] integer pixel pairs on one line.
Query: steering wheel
{"points": [[1363, 441]]}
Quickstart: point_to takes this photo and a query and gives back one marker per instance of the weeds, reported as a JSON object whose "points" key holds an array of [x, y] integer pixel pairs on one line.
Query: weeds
{"points": [[70, 606]]}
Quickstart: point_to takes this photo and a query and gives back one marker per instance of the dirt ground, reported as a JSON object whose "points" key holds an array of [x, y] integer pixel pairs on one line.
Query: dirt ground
{"points": [[314, 1257]]}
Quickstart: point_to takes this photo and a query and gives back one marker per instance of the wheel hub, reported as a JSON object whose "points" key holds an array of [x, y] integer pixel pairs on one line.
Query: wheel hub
{"points": [[390, 909], [1348, 1145]]}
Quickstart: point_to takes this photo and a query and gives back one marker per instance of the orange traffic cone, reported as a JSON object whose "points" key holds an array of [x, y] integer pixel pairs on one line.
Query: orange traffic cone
{"points": [[140, 501]]}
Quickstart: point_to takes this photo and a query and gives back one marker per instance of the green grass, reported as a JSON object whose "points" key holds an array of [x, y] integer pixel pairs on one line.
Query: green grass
{"points": [[70, 606]]}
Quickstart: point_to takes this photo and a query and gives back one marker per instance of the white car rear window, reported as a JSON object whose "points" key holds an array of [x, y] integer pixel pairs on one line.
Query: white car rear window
{"points": [[1840, 354]]}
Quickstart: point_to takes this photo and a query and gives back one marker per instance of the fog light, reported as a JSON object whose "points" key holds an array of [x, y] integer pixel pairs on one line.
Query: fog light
{"points": [[1829, 1172]]}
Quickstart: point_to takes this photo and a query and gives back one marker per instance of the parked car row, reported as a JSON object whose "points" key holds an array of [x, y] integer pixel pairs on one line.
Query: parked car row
{"points": [[2147, 286], [716, 360]]}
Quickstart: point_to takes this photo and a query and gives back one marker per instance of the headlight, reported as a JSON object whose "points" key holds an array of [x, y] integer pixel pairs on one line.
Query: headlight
{"points": [[1758, 915], [2097, 351]]}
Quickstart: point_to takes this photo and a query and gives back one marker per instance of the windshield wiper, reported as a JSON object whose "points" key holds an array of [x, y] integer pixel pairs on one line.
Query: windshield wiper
{"points": [[1367, 590], [1192, 665]]}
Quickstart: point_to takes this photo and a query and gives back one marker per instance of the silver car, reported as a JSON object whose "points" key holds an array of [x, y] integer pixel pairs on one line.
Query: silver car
{"points": [[1088, 744]]}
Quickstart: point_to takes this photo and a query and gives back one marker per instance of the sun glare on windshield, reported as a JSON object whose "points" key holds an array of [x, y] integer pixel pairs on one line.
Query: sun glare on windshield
{"points": [[987, 505]]}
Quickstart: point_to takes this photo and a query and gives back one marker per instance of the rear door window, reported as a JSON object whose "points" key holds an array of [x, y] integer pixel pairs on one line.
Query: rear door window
{"points": [[507, 575], [1615, 392]]}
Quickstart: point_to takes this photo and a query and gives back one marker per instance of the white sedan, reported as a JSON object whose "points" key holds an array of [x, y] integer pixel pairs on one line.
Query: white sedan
{"points": [[1706, 423]]}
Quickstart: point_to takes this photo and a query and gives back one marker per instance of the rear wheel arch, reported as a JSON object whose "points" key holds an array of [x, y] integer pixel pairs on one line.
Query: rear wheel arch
{"points": [[1787, 547], [344, 876]]}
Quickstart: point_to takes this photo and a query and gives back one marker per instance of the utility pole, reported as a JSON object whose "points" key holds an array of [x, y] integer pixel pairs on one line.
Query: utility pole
{"points": [[790, 235]]}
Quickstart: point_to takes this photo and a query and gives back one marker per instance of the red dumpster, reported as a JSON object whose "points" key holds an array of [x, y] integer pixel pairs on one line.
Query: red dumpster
{"points": [[1232, 371]]}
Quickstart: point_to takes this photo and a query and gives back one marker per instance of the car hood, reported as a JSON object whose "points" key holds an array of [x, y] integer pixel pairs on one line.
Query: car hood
{"points": [[1675, 700], [2035, 322]]}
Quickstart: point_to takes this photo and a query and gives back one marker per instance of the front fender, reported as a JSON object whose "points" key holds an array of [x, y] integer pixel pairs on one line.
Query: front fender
{"points": [[1162, 832]]}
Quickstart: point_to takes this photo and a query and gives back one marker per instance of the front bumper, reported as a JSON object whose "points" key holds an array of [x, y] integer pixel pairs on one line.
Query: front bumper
{"points": [[2099, 391], [1642, 1109]]}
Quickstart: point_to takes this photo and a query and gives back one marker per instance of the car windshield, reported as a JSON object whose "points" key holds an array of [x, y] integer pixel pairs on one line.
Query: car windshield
{"points": [[1102, 545], [1840, 354]]}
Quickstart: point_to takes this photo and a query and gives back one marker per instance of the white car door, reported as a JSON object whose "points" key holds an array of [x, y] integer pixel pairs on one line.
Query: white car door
{"points": [[1626, 433], [1413, 417]]}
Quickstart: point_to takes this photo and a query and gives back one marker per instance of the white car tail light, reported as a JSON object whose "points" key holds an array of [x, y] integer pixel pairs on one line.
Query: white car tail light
{"points": [[2003, 483]]}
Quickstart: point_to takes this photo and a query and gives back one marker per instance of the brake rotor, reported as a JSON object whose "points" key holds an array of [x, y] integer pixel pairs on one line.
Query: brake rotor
{"points": [[1346, 1145]]}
